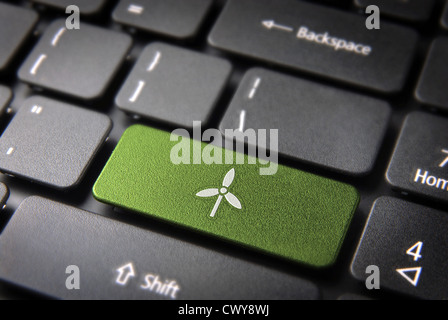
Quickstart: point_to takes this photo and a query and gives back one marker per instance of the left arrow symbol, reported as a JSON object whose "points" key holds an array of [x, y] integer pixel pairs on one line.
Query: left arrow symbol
{"points": [[417, 272], [271, 24], [125, 273]]}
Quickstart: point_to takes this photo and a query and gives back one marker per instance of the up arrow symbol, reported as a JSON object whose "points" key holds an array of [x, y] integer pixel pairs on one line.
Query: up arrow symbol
{"points": [[125, 273]]}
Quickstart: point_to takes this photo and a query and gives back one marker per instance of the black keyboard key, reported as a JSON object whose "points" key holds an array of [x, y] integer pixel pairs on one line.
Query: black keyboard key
{"points": [[431, 88], [4, 194], [336, 129], [43, 238], [16, 25], [317, 39], [420, 161], [174, 85], [87, 7], [408, 244], [5, 98], [410, 10], [52, 143], [174, 18], [80, 63]]}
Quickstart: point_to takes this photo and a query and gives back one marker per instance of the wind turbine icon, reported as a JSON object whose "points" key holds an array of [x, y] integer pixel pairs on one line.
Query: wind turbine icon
{"points": [[223, 192]]}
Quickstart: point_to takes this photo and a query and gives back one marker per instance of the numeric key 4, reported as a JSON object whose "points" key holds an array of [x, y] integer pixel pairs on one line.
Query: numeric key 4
{"points": [[408, 244]]}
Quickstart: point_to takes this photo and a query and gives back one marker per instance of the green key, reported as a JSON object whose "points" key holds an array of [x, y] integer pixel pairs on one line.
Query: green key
{"points": [[291, 214]]}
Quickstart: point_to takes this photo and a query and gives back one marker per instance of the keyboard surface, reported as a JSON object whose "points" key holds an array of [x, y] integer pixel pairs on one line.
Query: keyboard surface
{"points": [[87, 184]]}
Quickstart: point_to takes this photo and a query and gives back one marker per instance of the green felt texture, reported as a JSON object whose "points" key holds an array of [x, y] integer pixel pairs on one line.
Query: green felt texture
{"points": [[292, 214]]}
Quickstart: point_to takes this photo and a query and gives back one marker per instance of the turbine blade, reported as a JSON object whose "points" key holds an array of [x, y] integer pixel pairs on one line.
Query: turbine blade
{"points": [[216, 207], [208, 193], [233, 200], [228, 179]]}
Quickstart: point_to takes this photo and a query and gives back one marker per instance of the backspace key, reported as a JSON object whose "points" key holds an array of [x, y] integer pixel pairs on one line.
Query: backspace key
{"points": [[318, 40]]}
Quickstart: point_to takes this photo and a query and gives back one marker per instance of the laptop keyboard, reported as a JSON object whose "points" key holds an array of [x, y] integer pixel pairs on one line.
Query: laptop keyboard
{"points": [[87, 184]]}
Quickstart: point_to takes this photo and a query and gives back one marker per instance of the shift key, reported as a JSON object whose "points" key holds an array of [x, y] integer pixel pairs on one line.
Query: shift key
{"points": [[67, 253], [272, 209], [319, 40]]}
